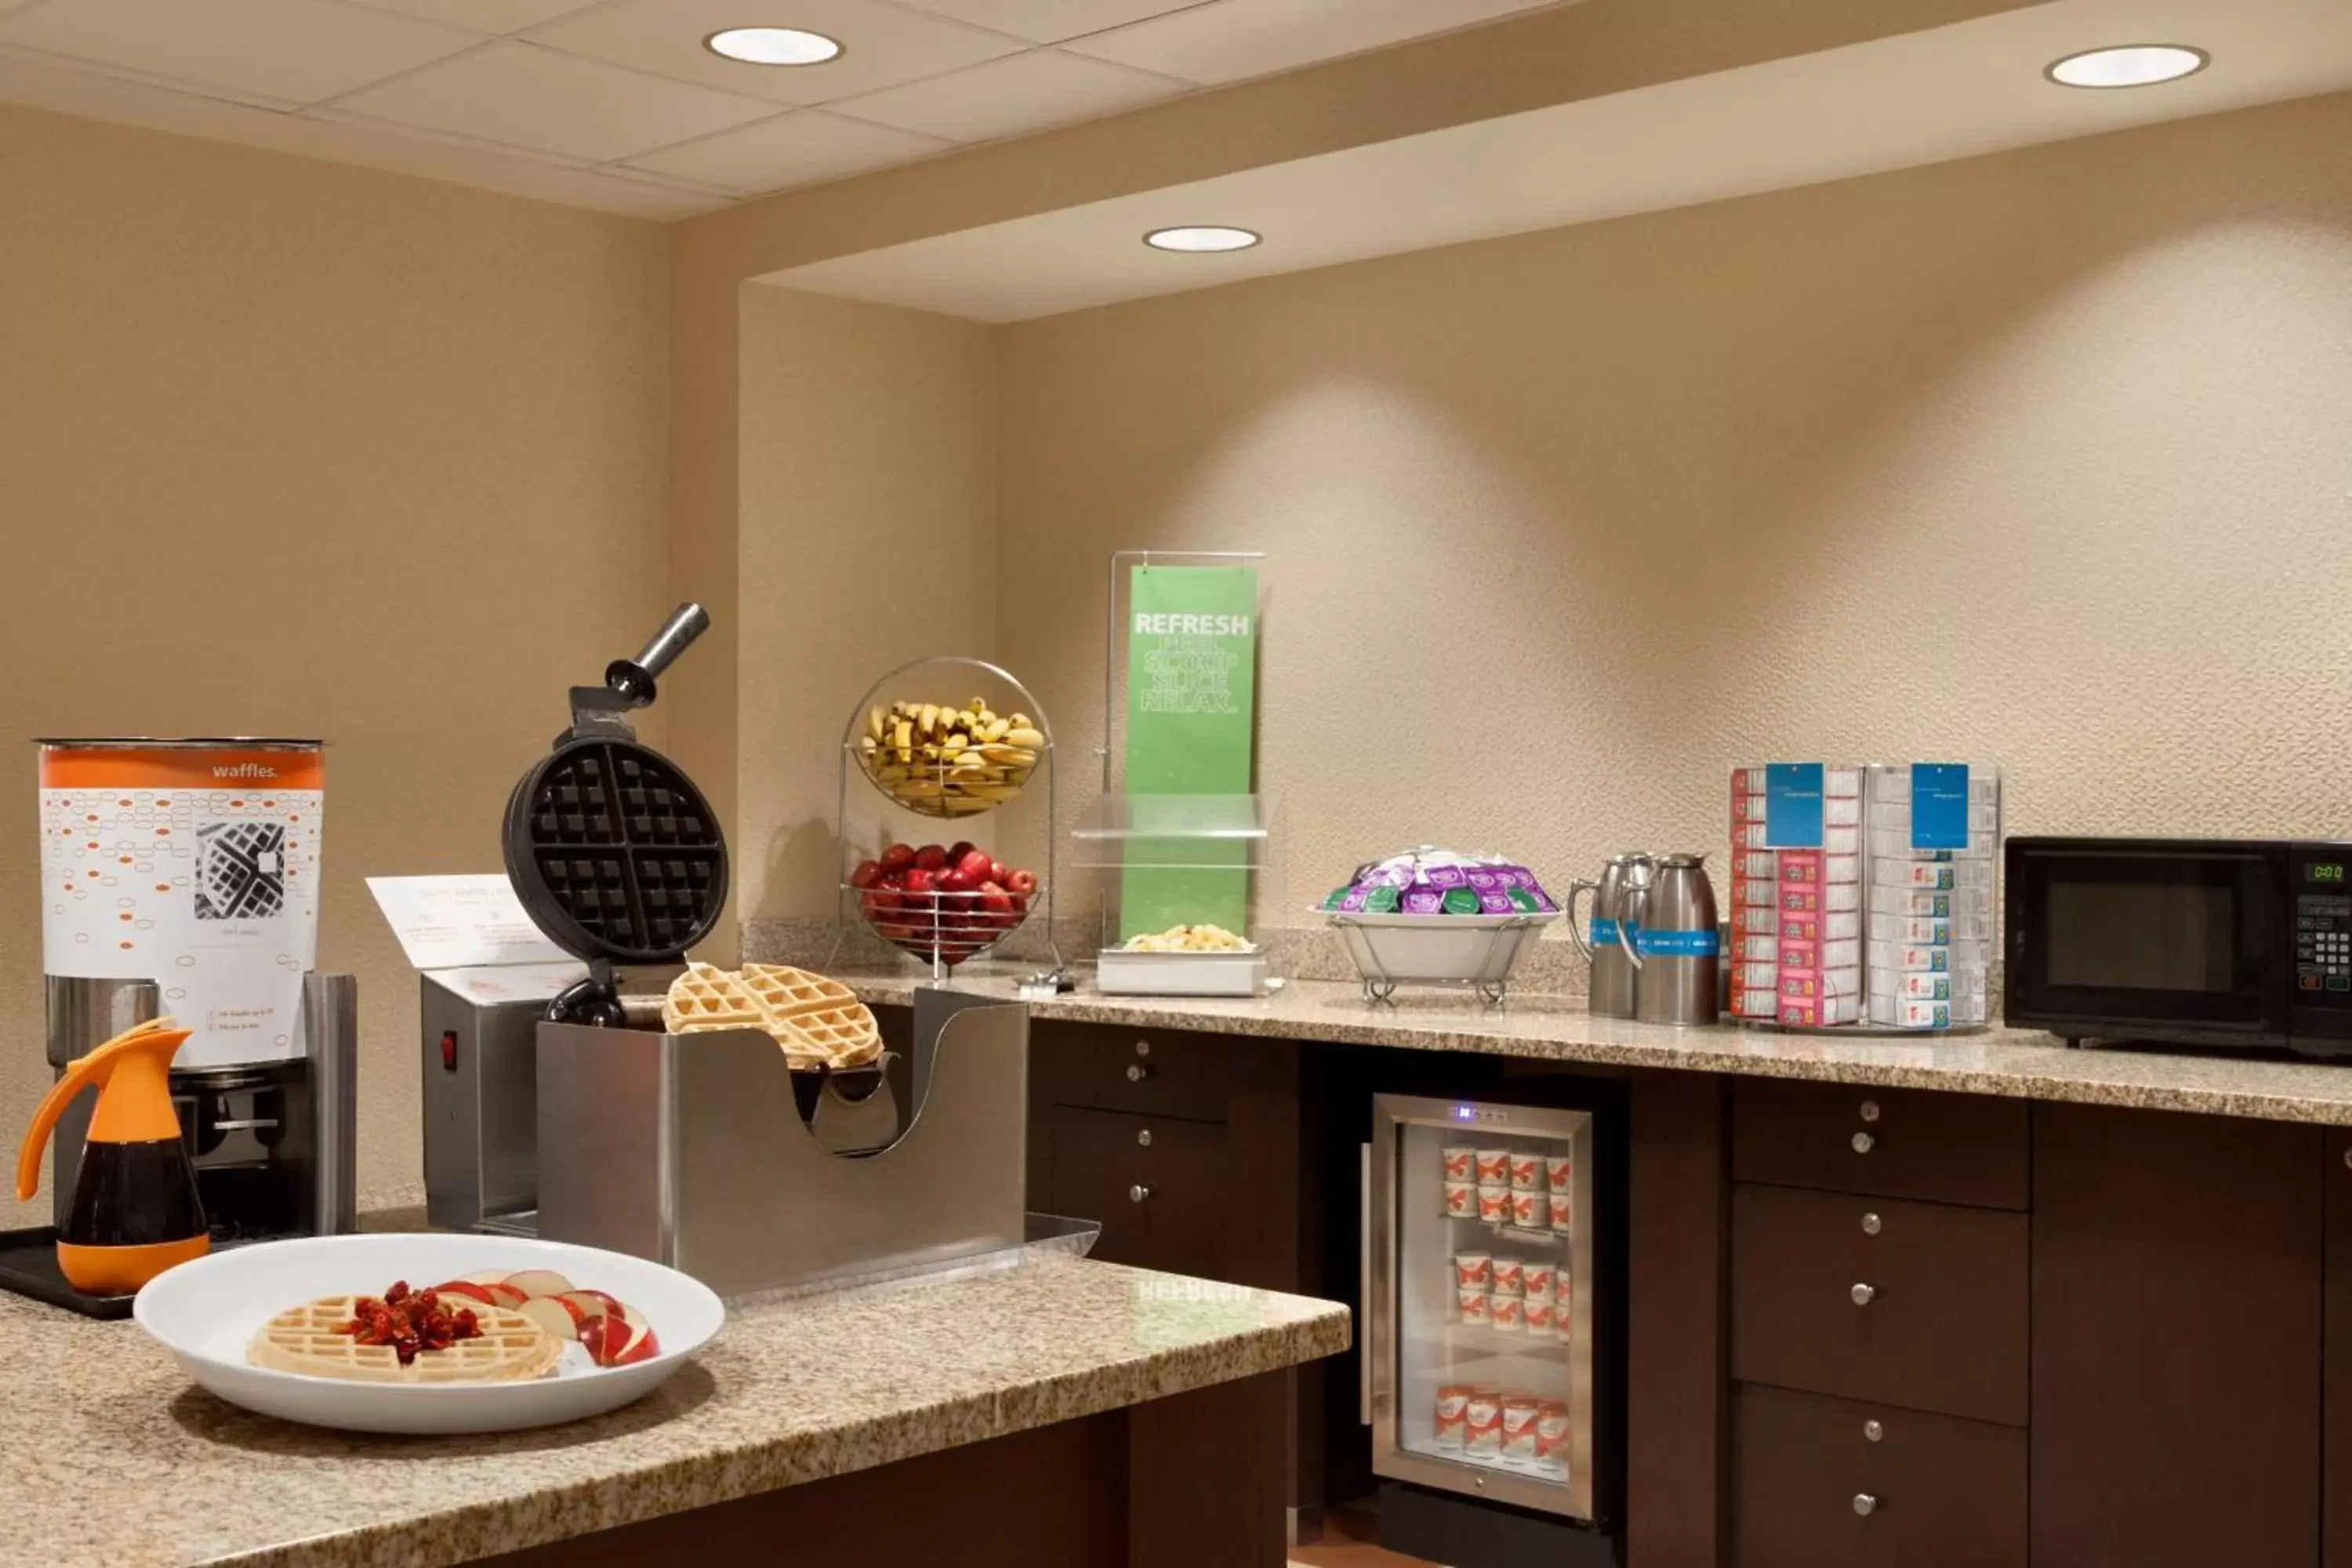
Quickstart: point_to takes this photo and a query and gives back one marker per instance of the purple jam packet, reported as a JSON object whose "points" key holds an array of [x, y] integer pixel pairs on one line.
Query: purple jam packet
{"points": [[1445, 876], [1495, 901], [1424, 901], [1354, 901]]}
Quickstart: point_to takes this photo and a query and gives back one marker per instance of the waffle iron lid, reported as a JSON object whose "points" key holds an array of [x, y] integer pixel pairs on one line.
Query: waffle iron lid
{"points": [[615, 854]]}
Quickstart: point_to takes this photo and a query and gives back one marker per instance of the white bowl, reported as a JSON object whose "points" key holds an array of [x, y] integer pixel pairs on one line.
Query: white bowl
{"points": [[205, 1311], [1443, 950]]}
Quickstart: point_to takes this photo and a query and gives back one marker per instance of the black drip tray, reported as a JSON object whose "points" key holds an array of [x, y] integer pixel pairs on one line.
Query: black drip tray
{"points": [[28, 1266]]}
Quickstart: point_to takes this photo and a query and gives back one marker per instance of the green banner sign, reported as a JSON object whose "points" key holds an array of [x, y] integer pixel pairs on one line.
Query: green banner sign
{"points": [[1191, 697]]}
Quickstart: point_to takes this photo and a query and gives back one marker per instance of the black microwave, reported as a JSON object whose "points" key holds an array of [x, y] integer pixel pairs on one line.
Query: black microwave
{"points": [[2196, 941]]}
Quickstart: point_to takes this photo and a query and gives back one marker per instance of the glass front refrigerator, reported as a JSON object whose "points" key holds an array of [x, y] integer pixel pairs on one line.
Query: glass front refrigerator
{"points": [[1479, 1259]]}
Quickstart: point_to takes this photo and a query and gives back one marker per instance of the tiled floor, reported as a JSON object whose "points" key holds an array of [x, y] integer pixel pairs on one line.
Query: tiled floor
{"points": [[1348, 1543]]}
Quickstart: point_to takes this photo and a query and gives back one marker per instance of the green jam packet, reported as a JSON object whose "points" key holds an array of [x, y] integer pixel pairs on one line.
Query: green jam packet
{"points": [[1522, 900], [1461, 901], [1381, 901]]}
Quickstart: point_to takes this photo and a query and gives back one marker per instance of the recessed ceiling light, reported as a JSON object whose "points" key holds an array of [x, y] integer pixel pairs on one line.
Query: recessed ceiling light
{"points": [[2130, 65], [774, 45], [1200, 238]]}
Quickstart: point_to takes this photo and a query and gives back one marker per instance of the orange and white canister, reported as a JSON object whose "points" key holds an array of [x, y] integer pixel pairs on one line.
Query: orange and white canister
{"points": [[193, 863]]}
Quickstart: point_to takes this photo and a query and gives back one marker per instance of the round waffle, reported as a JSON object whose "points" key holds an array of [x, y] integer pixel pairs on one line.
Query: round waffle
{"points": [[818, 1021], [310, 1339], [706, 998]]}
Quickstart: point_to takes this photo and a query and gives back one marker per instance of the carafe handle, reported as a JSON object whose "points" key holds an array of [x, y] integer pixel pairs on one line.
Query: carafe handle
{"points": [[1575, 931], [1629, 920], [151, 1043]]}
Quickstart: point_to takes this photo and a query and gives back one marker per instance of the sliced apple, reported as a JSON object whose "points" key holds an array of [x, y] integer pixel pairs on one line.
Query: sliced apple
{"points": [[620, 1338], [494, 1276], [643, 1347], [553, 1315], [537, 1282], [481, 1294], [585, 1304], [508, 1296]]}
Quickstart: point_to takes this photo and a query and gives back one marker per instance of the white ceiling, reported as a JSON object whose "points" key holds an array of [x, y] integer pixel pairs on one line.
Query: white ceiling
{"points": [[1896, 102], [615, 103]]}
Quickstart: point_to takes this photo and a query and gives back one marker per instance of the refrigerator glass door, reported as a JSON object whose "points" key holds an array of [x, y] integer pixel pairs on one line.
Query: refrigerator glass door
{"points": [[1480, 1221]]}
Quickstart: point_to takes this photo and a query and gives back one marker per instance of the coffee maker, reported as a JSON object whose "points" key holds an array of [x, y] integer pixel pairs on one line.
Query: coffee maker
{"points": [[180, 878]]}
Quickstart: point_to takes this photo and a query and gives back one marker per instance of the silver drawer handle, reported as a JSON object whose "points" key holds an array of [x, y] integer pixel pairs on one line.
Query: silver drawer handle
{"points": [[1864, 1294], [1138, 1193], [1872, 1431], [1863, 1141], [1871, 1224], [1870, 1110], [1136, 1072], [1143, 1139], [1864, 1504], [1143, 1048]]}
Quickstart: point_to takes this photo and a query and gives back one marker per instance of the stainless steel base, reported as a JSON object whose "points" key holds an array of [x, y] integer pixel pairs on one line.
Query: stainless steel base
{"points": [[691, 1150]]}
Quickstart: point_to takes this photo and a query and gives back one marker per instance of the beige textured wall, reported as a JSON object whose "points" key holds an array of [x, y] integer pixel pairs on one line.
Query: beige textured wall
{"points": [[867, 538], [289, 446], [2039, 459]]}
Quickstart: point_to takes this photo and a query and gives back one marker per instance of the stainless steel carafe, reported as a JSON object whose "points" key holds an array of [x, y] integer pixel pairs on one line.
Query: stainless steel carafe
{"points": [[1675, 944], [1614, 975]]}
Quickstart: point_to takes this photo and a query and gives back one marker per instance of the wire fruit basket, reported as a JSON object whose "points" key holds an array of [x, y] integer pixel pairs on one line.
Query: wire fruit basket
{"points": [[958, 762]]}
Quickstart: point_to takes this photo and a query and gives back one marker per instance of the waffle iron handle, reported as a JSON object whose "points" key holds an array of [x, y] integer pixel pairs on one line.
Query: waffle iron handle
{"points": [[633, 677]]}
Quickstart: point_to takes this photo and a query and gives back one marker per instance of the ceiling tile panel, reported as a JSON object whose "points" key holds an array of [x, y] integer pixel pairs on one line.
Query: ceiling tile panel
{"points": [[520, 95], [799, 148], [294, 51], [1050, 21], [882, 45], [1227, 40], [1008, 97], [484, 15]]}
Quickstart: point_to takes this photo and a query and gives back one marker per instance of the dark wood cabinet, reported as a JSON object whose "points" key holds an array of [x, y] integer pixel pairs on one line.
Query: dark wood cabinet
{"points": [[1921, 1305], [2177, 1307], [1157, 1184], [2335, 1352], [1888, 1143], [1834, 1483]]}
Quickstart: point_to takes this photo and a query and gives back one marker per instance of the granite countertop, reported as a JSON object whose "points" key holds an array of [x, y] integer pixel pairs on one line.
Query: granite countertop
{"points": [[2012, 1062], [120, 1461]]}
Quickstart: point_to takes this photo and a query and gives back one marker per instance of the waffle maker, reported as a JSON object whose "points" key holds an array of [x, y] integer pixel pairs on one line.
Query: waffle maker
{"points": [[613, 852]]}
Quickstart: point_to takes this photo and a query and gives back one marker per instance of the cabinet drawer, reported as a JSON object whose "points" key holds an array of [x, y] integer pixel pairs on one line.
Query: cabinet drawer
{"points": [[1890, 1142], [1942, 1324], [1941, 1492], [1163, 1188], [1147, 1072]]}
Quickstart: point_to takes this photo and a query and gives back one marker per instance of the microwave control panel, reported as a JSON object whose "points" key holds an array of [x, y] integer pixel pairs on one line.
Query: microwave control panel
{"points": [[2322, 883]]}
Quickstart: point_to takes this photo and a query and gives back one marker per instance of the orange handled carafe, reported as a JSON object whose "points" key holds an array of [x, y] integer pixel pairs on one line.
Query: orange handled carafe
{"points": [[134, 1212]]}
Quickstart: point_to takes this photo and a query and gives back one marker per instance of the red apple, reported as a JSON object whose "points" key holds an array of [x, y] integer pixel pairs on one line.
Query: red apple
{"points": [[976, 867], [1022, 882], [470, 1291], [587, 1304], [931, 858], [556, 1315], [868, 873], [997, 905], [619, 1339], [998, 871], [918, 881], [955, 881], [897, 858], [958, 850], [534, 1282]]}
